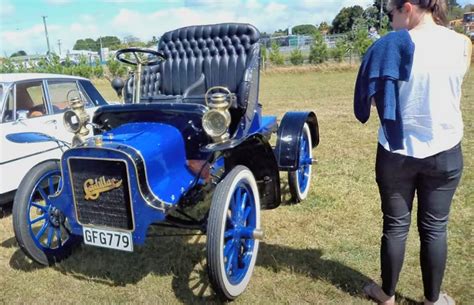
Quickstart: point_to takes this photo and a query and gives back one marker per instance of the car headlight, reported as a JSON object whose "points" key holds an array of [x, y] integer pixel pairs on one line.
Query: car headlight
{"points": [[72, 121], [216, 123]]}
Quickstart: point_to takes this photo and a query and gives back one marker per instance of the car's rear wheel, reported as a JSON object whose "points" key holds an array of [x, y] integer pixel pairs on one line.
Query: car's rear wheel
{"points": [[41, 230], [232, 233], [300, 179]]}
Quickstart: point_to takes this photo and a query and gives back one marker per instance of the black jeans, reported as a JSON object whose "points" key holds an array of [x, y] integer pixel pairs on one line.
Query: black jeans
{"points": [[435, 180]]}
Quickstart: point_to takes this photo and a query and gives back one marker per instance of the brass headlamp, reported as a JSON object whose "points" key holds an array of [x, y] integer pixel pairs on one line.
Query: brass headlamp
{"points": [[216, 120], [76, 119]]}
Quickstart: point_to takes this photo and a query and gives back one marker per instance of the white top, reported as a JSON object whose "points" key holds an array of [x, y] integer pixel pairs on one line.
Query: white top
{"points": [[430, 100], [14, 77]]}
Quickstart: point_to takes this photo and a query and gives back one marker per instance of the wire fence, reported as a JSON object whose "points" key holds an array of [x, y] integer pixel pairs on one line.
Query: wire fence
{"points": [[287, 44], [291, 42]]}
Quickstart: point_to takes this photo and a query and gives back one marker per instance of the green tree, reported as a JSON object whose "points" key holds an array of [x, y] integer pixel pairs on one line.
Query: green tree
{"points": [[275, 56], [303, 29], [18, 53], [340, 50], [116, 69], [455, 12], [280, 32], [372, 16], [453, 3], [345, 19], [296, 57], [324, 27], [111, 42], [86, 44], [79, 45], [362, 41], [7, 66], [318, 52], [377, 4], [153, 42]]}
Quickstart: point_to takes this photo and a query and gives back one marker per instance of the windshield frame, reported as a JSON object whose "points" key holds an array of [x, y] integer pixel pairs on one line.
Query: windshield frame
{"points": [[6, 87]]}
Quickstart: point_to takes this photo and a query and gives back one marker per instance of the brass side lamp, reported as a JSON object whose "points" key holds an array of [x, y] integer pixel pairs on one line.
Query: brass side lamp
{"points": [[76, 119], [216, 120]]}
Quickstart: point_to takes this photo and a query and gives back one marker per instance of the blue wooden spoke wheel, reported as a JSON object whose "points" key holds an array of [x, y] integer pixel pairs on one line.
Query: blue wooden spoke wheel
{"points": [[299, 180], [41, 230], [233, 233]]}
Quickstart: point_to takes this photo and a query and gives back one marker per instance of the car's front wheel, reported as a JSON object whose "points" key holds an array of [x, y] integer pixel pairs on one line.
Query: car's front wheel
{"points": [[41, 230], [233, 233]]}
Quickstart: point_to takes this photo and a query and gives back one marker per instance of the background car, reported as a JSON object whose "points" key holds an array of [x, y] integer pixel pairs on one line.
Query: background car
{"points": [[35, 102]]}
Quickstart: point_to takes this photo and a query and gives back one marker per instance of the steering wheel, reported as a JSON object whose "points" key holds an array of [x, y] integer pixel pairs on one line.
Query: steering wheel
{"points": [[154, 57]]}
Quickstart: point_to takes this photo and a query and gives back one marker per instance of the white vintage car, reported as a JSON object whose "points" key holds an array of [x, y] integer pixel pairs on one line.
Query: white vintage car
{"points": [[35, 102]]}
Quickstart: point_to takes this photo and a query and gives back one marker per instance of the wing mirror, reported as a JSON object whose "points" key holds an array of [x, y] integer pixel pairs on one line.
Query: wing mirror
{"points": [[21, 115]]}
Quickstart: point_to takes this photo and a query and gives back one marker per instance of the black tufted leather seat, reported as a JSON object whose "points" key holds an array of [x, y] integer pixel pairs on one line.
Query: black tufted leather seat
{"points": [[199, 57]]}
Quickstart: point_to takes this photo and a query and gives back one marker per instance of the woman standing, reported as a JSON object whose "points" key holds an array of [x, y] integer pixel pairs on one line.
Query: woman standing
{"points": [[428, 158]]}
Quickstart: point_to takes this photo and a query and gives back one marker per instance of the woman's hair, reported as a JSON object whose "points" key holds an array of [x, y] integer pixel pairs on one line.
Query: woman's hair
{"points": [[438, 8]]}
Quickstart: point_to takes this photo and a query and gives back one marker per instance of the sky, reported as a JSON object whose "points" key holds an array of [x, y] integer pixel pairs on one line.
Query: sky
{"points": [[21, 22]]}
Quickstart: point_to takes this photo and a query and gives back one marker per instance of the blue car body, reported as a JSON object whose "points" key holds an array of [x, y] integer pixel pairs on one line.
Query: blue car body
{"points": [[152, 161], [154, 158]]}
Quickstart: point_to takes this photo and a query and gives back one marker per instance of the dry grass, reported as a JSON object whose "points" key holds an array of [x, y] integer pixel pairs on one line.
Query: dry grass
{"points": [[324, 67], [318, 252]]}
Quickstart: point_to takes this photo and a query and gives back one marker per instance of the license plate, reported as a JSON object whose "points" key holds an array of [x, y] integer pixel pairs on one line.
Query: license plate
{"points": [[108, 239]]}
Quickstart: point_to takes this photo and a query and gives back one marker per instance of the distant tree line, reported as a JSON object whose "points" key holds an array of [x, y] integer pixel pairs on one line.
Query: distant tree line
{"points": [[353, 23], [113, 43]]}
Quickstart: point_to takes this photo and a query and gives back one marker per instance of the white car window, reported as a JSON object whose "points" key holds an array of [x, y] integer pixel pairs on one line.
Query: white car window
{"points": [[29, 97], [58, 91]]}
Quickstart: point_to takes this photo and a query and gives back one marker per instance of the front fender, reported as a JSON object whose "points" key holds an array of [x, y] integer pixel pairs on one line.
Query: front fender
{"points": [[288, 137]]}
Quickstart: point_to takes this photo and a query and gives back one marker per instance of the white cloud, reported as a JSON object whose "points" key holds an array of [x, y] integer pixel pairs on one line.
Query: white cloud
{"points": [[121, 1], [363, 3], [6, 8], [144, 26], [57, 2], [194, 3], [26, 39], [87, 18], [275, 8], [253, 5], [267, 17]]}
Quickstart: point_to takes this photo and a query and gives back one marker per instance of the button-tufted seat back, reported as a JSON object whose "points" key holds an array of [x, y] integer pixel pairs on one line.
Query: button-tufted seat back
{"points": [[199, 57], [220, 52]]}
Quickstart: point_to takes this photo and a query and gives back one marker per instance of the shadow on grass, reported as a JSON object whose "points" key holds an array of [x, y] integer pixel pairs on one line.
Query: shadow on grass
{"points": [[6, 209], [309, 262], [184, 258]]}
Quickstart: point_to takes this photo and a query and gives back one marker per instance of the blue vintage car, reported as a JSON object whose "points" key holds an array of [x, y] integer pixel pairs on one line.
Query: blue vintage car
{"points": [[192, 128]]}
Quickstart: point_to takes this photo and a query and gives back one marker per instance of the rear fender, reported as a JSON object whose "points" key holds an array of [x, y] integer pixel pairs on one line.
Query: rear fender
{"points": [[288, 137]]}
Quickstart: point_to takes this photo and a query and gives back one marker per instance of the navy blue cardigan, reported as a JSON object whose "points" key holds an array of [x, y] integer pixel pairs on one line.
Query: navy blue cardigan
{"points": [[386, 62]]}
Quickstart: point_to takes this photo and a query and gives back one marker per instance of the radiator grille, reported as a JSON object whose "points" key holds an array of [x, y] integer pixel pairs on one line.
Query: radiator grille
{"points": [[101, 192]]}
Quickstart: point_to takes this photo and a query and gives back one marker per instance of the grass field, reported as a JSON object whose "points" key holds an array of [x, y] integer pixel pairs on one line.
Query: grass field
{"points": [[319, 252]]}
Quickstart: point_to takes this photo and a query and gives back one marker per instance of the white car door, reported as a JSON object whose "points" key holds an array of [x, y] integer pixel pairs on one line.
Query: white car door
{"points": [[26, 111]]}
